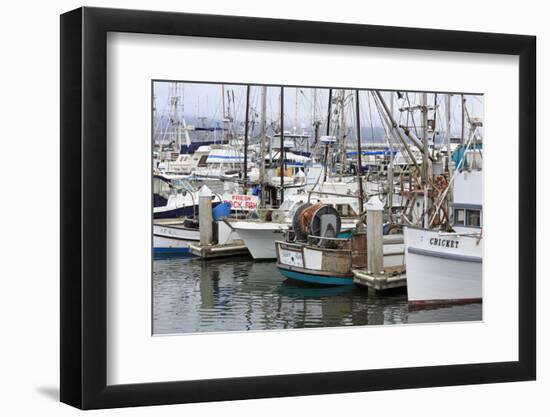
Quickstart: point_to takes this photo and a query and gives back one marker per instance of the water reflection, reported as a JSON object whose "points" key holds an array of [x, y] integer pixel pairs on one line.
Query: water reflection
{"points": [[237, 294]]}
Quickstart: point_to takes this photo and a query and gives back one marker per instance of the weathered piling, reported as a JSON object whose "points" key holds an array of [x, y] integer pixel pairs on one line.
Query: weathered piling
{"points": [[205, 216], [383, 271], [375, 244]]}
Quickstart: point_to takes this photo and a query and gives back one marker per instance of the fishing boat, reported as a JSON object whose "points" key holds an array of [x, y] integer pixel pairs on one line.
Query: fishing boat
{"points": [[173, 236], [260, 235], [314, 254], [444, 267], [316, 251]]}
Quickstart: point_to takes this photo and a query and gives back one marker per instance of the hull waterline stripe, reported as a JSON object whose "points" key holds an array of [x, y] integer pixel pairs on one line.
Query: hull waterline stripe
{"points": [[314, 279], [444, 255]]}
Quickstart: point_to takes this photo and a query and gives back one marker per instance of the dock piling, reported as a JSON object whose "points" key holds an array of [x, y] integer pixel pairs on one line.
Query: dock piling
{"points": [[375, 244], [205, 216]]}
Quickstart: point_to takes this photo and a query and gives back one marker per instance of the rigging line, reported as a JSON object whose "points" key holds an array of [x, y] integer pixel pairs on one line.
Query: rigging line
{"points": [[477, 98], [412, 115], [434, 122], [165, 125], [385, 119], [439, 115], [370, 116], [382, 118]]}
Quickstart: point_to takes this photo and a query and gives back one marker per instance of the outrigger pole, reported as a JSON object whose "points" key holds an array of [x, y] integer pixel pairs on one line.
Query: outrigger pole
{"points": [[397, 133]]}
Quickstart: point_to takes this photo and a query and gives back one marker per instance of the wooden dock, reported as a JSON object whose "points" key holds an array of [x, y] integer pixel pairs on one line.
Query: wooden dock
{"points": [[235, 248], [394, 277]]}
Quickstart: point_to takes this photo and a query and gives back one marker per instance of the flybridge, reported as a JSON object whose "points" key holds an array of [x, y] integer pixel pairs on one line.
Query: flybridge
{"points": [[226, 155], [190, 149]]}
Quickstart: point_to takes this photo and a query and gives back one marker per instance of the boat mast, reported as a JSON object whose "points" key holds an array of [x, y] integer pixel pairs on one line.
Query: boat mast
{"points": [[433, 126], [223, 114], [328, 133], [175, 115], [316, 123], [463, 112], [262, 146], [245, 167], [359, 165], [449, 155], [425, 169], [296, 113], [230, 109], [390, 171], [342, 133], [282, 150], [425, 145]]}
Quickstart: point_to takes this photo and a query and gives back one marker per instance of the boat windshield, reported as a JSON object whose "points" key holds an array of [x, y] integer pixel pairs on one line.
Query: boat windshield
{"points": [[161, 187], [181, 184], [287, 205]]}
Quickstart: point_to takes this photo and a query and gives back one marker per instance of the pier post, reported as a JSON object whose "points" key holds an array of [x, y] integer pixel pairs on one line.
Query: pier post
{"points": [[205, 216], [375, 244]]}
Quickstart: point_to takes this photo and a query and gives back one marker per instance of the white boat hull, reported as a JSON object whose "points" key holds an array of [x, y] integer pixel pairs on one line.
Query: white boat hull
{"points": [[442, 267], [166, 242], [173, 238], [260, 237], [261, 241]]}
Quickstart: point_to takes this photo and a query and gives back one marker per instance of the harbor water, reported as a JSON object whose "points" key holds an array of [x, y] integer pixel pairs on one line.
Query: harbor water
{"points": [[238, 294]]}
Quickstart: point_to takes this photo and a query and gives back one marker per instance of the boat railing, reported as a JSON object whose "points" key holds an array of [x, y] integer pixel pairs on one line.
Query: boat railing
{"points": [[328, 238], [457, 234], [319, 192], [329, 242]]}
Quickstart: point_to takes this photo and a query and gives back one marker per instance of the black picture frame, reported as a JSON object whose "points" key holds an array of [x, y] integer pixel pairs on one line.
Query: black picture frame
{"points": [[84, 207]]}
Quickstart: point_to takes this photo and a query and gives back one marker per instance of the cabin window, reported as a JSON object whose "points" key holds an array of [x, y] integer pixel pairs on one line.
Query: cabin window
{"points": [[459, 217], [473, 218], [202, 161], [343, 209]]}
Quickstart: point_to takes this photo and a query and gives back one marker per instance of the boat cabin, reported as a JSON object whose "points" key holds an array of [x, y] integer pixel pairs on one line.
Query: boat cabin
{"points": [[468, 202]]}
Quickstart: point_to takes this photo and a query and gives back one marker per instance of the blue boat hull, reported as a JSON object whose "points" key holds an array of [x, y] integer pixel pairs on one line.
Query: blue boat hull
{"points": [[316, 279], [164, 251], [167, 253], [186, 211]]}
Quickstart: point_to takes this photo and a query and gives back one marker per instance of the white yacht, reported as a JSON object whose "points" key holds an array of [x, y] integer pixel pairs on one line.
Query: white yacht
{"points": [[208, 160]]}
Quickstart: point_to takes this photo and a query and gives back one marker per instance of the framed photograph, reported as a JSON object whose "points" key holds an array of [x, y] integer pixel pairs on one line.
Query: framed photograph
{"points": [[258, 208]]}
